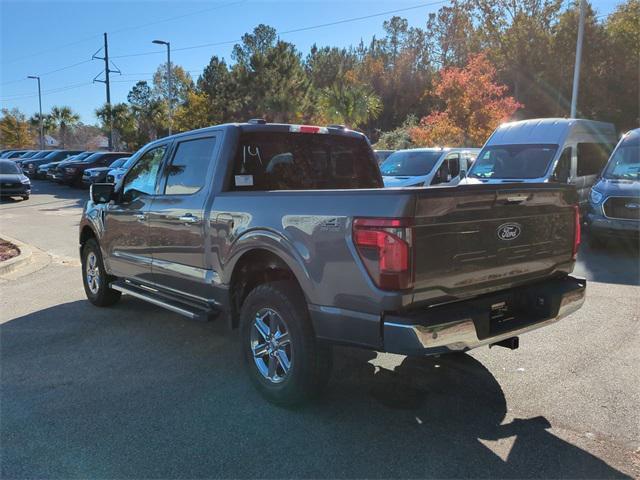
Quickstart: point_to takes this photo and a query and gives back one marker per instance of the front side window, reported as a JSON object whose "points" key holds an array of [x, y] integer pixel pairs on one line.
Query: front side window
{"points": [[592, 157], [513, 161], [187, 172], [141, 179]]}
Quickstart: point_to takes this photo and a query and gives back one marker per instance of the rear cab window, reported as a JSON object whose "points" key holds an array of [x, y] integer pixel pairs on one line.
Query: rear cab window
{"points": [[271, 160], [187, 172]]}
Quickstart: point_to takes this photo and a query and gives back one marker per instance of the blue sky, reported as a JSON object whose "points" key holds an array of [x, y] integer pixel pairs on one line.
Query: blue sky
{"points": [[40, 37]]}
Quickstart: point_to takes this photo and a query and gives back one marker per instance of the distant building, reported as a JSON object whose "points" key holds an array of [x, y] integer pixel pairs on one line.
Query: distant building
{"points": [[49, 141]]}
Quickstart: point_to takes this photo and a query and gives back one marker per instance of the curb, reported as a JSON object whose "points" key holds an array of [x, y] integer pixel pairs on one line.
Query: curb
{"points": [[21, 259]]}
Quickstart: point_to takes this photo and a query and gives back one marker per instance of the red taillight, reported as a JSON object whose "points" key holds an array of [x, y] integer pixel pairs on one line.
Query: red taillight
{"points": [[384, 246], [576, 232]]}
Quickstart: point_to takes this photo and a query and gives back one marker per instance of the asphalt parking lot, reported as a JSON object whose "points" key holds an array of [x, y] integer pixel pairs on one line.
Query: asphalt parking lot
{"points": [[133, 391]]}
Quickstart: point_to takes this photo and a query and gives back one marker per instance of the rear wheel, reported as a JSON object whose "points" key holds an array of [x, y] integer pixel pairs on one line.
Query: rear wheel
{"points": [[25, 197], [282, 356], [95, 278]]}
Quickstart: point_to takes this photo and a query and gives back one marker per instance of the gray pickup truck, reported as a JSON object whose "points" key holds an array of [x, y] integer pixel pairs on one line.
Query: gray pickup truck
{"points": [[287, 229]]}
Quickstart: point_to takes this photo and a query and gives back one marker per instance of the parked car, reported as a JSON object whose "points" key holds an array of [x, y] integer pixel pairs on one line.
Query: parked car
{"points": [[614, 203], [426, 166], [46, 169], [13, 183], [71, 172], [30, 166], [382, 155], [288, 229], [116, 173], [14, 154], [99, 174], [563, 150], [28, 154]]}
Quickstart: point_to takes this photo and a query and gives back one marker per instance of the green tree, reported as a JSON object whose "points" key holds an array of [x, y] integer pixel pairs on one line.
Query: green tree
{"points": [[48, 125], [622, 29], [15, 131], [270, 78], [349, 103], [123, 123], [181, 84], [64, 120], [216, 83], [194, 113], [149, 112]]}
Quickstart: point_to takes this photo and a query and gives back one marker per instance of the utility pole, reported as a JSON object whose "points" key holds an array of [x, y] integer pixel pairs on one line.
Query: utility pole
{"points": [[169, 81], [35, 77], [107, 71], [576, 69]]}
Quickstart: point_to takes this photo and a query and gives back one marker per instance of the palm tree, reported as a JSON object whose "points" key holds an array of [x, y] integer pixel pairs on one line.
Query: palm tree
{"points": [[64, 118], [47, 122], [351, 104]]}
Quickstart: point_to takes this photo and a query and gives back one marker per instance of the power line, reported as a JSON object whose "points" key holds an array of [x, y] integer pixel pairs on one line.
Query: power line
{"points": [[123, 29], [295, 30], [46, 92]]}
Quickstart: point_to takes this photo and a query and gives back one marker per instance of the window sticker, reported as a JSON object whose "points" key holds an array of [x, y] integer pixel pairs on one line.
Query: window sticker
{"points": [[244, 180]]}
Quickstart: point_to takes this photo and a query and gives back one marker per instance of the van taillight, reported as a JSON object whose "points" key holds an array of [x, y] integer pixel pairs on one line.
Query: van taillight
{"points": [[576, 231], [384, 245]]}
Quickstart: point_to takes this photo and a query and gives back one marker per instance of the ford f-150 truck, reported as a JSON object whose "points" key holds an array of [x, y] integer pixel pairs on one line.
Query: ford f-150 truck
{"points": [[288, 231]]}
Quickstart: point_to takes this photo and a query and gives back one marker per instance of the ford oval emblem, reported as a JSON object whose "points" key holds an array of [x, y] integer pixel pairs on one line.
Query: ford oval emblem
{"points": [[509, 231]]}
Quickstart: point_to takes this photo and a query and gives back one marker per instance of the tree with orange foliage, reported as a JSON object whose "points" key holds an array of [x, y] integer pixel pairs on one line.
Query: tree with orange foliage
{"points": [[474, 105]]}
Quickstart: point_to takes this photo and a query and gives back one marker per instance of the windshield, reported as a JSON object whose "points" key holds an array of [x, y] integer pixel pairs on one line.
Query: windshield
{"points": [[118, 163], [91, 158], [40, 155], [625, 162], [410, 163], [8, 168], [513, 161]]}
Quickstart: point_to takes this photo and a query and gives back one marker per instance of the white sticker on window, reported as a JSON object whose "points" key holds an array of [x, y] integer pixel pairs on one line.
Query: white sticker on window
{"points": [[244, 180]]}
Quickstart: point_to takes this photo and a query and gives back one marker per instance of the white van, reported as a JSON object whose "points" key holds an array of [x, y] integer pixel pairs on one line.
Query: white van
{"points": [[564, 150], [426, 166]]}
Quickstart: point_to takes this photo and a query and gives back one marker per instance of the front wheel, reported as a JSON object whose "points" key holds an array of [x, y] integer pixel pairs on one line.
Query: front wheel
{"points": [[281, 354], [95, 278]]}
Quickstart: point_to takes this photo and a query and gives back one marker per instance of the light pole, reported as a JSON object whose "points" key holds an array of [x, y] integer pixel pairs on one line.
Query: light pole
{"points": [[170, 94], [35, 77], [576, 68]]}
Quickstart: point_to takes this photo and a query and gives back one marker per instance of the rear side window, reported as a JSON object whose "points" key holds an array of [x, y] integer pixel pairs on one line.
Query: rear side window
{"points": [[592, 157], [187, 172], [300, 161]]}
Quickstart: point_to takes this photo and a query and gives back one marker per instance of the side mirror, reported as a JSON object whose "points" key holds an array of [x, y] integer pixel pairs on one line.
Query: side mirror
{"points": [[463, 174], [101, 192]]}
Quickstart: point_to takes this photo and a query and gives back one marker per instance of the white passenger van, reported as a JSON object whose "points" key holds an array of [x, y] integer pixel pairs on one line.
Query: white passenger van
{"points": [[565, 150]]}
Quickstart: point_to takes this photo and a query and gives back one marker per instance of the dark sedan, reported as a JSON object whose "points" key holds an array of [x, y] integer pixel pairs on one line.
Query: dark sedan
{"points": [[30, 165], [13, 183], [99, 174], [46, 170], [71, 173]]}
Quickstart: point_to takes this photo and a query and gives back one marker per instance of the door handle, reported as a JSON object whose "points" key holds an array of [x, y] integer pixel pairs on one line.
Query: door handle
{"points": [[188, 218]]}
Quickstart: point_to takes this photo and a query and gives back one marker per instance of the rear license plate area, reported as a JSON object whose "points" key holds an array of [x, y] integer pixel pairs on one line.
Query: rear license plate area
{"points": [[516, 311]]}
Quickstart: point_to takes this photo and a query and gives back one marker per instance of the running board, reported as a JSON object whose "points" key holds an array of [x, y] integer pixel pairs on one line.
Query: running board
{"points": [[186, 309]]}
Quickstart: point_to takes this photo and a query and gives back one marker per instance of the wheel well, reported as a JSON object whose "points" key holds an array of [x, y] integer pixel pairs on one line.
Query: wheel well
{"points": [[86, 234], [254, 268]]}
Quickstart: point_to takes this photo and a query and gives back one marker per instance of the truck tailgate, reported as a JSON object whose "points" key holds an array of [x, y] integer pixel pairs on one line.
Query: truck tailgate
{"points": [[478, 239]]}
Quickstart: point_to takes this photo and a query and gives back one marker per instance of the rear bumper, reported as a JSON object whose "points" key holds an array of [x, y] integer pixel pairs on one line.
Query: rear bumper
{"points": [[469, 324]]}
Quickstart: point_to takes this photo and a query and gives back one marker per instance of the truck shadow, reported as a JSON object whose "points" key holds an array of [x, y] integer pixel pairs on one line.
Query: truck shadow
{"points": [[132, 391], [616, 262]]}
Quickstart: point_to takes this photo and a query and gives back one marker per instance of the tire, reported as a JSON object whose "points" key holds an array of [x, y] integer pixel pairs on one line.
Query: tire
{"points": [[25, 197], [96, 286], [281, 308]]}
